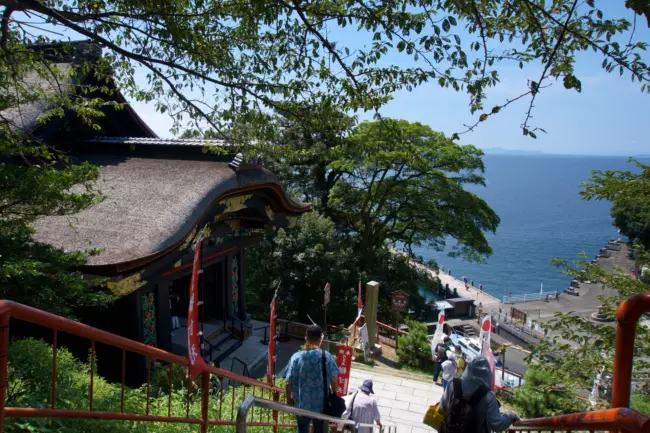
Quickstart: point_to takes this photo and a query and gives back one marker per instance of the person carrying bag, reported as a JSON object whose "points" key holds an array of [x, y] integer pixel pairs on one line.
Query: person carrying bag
{"points": [[305, 371], [363, 408], [333, 404]]}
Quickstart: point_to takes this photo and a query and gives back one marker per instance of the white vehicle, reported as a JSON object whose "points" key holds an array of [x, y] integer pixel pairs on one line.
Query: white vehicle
{"points": [[471, 346]]}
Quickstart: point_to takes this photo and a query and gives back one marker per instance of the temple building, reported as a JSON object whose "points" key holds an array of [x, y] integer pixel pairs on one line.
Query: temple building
{"points": [[158, 195]]}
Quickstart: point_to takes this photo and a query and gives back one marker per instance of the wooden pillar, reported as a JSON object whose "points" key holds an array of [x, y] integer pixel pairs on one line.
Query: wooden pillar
{"points": [[227, 272], [372, 298], [242, 285], [234, 267]]}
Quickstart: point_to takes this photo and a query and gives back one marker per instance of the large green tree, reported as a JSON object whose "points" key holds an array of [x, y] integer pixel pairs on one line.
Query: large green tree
{"points": [[377, 183], [404, 183], [388, 181], [298, 262]]}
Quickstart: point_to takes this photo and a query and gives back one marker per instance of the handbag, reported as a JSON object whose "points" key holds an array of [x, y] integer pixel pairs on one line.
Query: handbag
{"points": [[434, 416], [352, 405], [334, 405], [349, 428]]}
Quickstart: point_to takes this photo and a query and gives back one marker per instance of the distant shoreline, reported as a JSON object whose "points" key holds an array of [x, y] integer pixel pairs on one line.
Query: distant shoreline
{"points": [[536, 153]]}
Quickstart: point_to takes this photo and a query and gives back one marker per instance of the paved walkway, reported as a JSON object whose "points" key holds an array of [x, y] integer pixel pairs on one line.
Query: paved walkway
{"points": [[582, 305], [485, 299], [401, 401], [474, 293]]}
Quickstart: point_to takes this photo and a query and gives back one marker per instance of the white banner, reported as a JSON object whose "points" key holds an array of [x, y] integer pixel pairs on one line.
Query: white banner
{"points": [[438, 335], [486, 350], [364, 335], [365, 341]]}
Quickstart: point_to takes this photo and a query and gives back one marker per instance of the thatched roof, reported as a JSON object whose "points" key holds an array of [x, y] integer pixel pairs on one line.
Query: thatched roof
{"points": [[24, 117], [66, 81], [151, 206]]}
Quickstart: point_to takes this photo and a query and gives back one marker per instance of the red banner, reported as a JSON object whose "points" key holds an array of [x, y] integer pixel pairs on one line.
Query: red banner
{"points": [[359, 300], [344, 362], [197, 364], [270, 369]]}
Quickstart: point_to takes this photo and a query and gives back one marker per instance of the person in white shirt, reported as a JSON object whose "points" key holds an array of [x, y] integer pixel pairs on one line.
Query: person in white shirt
{"points": [[362, 408], [449, 368]]}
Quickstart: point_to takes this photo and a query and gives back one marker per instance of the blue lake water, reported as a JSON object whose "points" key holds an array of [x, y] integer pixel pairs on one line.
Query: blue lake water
{"points": [[542, 216]]}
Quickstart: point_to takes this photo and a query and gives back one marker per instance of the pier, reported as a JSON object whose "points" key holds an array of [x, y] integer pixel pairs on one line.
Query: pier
{"points": [[481, 299]]}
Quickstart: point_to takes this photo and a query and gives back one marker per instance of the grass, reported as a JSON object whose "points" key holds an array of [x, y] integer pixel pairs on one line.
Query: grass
{"points": [[390, 360]]}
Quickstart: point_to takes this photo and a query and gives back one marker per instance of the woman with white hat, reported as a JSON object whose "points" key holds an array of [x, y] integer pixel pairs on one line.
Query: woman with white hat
{"points": [[449, 367]]}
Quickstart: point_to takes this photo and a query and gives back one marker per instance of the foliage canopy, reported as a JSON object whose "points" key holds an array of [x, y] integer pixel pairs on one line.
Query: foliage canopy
{"points": [[414, 348]]}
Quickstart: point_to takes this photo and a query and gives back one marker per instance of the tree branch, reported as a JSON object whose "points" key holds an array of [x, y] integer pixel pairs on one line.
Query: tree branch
{"points": [[38, 7], [535, 91], [5, 27], [326, 43]]}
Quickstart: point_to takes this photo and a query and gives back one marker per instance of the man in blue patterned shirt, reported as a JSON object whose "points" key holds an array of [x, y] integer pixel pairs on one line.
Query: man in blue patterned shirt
{"points": [[305, 386]]}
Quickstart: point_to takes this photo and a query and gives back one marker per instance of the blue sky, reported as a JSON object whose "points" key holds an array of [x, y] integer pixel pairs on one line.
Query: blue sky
{"points": [[609, 117]]}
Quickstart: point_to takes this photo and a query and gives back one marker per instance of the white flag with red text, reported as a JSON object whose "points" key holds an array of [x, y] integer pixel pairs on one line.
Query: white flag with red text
{"points": [[486, 350], [197, 363], [438, 335]]}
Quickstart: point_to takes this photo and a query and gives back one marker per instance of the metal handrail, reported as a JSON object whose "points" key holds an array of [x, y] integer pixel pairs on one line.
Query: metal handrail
{"points": [[619, 419], [250, 402], [627, 316]]}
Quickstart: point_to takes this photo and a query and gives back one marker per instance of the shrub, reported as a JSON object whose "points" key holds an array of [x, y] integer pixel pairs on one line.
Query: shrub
{"points": [[414, 348], [640, 402], [29, 378], [542, 395]]}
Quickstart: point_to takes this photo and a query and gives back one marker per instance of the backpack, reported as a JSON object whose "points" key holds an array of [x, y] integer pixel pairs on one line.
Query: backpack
{"points": [[461, 416], [441, 353]]}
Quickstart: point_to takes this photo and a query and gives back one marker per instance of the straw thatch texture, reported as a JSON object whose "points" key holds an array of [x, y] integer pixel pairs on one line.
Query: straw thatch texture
{"points": [[151, 205]]}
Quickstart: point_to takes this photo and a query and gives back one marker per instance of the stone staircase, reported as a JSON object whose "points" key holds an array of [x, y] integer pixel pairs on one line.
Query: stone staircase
{"points": [[402, 399]]}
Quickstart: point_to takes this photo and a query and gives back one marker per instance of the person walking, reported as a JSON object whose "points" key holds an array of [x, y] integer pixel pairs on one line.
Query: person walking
{"points": [[449, 368], [460, 360], [305, 382], [440, 356], [470, 405], [362, 408]]}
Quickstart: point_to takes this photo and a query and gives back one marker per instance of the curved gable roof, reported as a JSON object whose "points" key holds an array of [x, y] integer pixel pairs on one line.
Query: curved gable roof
{"points": [[151, 205]]}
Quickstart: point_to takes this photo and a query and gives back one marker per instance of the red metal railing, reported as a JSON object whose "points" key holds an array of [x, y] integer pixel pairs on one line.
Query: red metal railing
{"points": [[627, 317], [388, 335], [225, 415], [620, 418]]}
